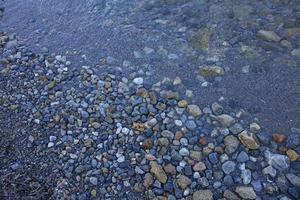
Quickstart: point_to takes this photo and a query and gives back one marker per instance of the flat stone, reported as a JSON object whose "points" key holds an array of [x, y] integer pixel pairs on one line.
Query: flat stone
{"points": [[201, 38], [249, 140], [242, 157], [191, 125], [245, 192], [270, 36], [226, 120], [270, 171], [158, 172], [246, 176], [203, 195], [148, 180], [182, 104]]}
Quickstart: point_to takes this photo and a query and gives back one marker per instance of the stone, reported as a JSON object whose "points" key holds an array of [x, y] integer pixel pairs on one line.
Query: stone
{"points": [[270, 36], [230, 195], [138, 80], [213, 158], [278, 161], [231, 144], [246, 176], [158, 172], [163, 142], [254, 127], [293, 155], [201, 39], [177, 81], [279, 138], [203, 195], [226, 120], [182, 104], [148, 180], [249, 140], [245, 192], [217, 108], [167, 134], [194, 110], [196, 155], [147, 144], [96, 125], [242, 157], [191, 125], [184, 152], [293, 179], [93, 180], [183, 182], [209, 71], [228, 167], [199, 166], [170, 169], [270, 171]]}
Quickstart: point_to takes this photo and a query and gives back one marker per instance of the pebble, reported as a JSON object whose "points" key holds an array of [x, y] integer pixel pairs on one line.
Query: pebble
{"points": [[226, 120], [138, 80], [203, 195], [270, 36], [245, 192], [228, 167], [249, 140]]}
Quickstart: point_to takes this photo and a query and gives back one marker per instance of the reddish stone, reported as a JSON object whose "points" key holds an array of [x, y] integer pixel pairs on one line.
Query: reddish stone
{"points": [[147, 144], [178, 135], [203, 141], [279, 138]]}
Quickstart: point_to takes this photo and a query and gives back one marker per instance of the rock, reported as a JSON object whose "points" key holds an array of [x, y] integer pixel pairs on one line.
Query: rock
{"points": [[183, 182], [148, 180], [245, 192], [147, 144], [279, 138], [138, 80], [230, 195], [177, 81], [226, 120], [201, 38], [208, 71], [170, 169], [228, 167], [182, 104], [278, 161], [167, 134], [249, 140], [184, 152], [203, 195], [293, 179], [163, 142], [158, 172], [196, 155], [246, 176], [242, 157], [96, 125], [217, 108], [231, 144], [296, 52], [270, 36], [191, 125], [200, 166], [93, 180], [270, 171], [213, 158], [194, 110], [293, 155], [254, 127]]}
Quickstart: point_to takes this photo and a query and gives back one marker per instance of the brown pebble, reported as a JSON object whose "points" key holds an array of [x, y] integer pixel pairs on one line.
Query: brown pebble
{"points": [[279, 138]]}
